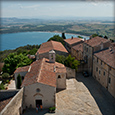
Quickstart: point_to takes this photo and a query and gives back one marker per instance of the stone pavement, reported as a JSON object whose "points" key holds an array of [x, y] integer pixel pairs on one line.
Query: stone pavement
{"points": [[12, 85], [83, 96]]}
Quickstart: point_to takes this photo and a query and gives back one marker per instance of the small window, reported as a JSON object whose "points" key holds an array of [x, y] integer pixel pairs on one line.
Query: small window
{"points": [[101, 62], [97, 60], [96, 68], [104, 73], [99, 71], [59, 76], [109, 80], [37, 90], [110, 68]]}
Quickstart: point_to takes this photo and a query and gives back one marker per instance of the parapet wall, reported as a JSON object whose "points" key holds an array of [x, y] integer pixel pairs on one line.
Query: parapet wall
{"points": [[14, 107], [71, 73]]}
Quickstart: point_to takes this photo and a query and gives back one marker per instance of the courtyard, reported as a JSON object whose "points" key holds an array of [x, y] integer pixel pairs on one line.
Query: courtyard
{"points": [[83, 96]]}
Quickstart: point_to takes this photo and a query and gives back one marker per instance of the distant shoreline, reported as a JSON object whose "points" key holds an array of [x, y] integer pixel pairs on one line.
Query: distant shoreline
{"points": [[45, 31]]}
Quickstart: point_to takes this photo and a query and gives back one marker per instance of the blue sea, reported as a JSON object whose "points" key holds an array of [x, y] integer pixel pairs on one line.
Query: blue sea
{"points": [[15, 40]]}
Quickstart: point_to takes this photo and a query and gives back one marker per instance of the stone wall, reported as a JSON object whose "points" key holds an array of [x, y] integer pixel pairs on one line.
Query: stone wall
{"points": [[71, 73], [14, 106]]}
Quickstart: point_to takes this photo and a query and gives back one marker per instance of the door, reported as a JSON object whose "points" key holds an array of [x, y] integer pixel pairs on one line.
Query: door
{"points": [[38, 102]]}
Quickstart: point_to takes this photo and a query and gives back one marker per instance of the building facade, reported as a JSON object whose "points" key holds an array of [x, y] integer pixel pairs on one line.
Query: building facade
{"points": [[90, 47], [104, 69]]}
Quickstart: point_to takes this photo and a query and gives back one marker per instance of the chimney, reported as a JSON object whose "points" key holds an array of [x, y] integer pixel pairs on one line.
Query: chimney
{"points": [[72, 37]]}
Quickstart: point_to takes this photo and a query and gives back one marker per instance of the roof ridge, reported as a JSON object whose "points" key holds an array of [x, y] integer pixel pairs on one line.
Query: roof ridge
{"points": [[38, 77]]}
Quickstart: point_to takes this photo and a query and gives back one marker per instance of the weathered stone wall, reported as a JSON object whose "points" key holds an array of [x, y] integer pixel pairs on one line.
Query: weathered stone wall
{"points": [[71, 73], [5, 94], [61, 80], [14, 106]]}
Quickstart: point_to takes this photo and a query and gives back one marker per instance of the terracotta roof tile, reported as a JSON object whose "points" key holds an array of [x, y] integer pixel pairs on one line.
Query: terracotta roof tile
{"points": [[72, 41], [51, 45], [43, 72], [78, 47], [22, 69], [96, 41], [107, 56]]}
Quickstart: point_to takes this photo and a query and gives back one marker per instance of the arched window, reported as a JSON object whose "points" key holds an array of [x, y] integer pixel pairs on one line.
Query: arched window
{"points": [[37, 90], [59, 76]]}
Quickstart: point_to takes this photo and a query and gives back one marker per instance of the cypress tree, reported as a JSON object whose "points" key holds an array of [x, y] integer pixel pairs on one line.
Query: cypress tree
{"points": [[19, 81]]}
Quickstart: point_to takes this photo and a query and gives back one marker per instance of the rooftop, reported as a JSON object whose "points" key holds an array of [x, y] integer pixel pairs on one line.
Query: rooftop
{"points": [[42, 71], [73, 40], [96, 41], [51, 45], [22, 69], [108, 56], [78, 47]]}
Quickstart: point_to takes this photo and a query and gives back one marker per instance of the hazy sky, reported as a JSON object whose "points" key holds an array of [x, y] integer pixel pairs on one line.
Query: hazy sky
{"points": [[56, 9]]}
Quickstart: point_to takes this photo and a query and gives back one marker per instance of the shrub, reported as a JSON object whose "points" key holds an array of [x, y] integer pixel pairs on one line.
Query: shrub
{"points": [[5, 75], [2, 86]]}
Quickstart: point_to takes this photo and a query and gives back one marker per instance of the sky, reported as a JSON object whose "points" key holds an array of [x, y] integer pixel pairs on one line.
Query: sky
{"points": [[45, 9]]}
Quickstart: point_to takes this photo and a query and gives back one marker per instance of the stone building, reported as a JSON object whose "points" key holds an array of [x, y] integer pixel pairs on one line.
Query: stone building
{"points": [[41, 80], [104, 69], [43, 51], [69, 43], [90, 47], [77, 51]]}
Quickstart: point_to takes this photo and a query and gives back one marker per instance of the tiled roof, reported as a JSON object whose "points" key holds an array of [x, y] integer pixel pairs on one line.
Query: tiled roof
{"points": [[22, 69], [51, 45], [43, 72], [4, 103], [78, 47], [73, 40], [107, 56], [96, 41]]}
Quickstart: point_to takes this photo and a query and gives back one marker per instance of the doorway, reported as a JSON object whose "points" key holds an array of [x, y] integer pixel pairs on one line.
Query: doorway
{"points": [[38, 102]]}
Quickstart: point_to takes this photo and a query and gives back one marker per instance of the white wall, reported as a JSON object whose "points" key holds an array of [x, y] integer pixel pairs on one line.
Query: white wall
{"points": [[46, 94]]}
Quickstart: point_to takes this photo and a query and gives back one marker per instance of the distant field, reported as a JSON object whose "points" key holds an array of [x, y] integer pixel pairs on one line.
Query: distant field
{"points": [[83, 27]]}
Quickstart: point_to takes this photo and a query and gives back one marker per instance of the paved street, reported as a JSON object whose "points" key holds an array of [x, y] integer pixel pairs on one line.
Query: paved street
{"points": [[83, 96], [12, 85]]}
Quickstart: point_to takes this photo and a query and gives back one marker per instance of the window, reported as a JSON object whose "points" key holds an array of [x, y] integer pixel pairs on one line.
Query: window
{"points": [[110, 68], [99, 72], [96, 68], [101, 62], [59, 76], [104, 73], [109, 80], [37, 90], [97, 60]]}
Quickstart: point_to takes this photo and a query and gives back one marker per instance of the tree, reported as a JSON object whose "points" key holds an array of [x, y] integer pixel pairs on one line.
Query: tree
{"points": [[63, 35], [19, 81], [33, 51], [80, 37], [105, 37], [60, 58], [13, 61], [57, 38], [71, 62], [94, 35]]}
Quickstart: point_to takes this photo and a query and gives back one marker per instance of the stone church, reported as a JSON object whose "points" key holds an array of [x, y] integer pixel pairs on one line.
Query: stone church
{"points": [[40, 81]]}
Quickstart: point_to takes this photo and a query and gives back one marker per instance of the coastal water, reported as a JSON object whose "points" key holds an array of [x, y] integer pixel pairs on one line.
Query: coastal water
{"points": [[14, 40]]}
